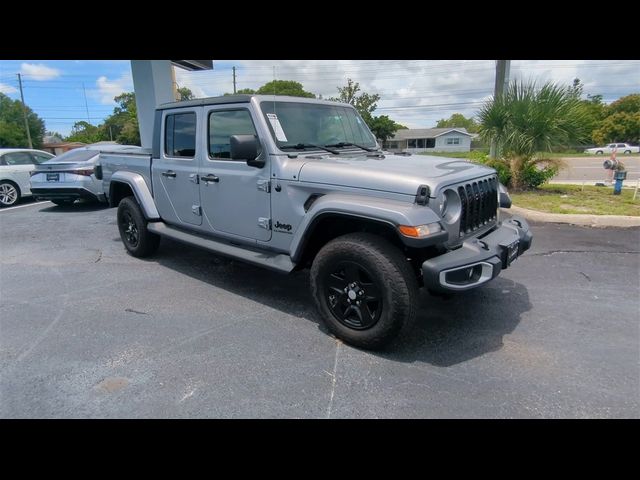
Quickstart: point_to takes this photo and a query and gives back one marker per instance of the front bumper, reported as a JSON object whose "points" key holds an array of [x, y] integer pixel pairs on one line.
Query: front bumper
{"points": [[478, 260]]}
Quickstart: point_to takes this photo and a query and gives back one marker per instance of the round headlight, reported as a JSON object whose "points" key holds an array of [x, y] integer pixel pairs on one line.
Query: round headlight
{"points": [[451, 206], [443, 206]]}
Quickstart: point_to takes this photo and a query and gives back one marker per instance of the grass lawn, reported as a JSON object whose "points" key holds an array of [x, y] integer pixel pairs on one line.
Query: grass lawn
{"points": [[571, 199]]}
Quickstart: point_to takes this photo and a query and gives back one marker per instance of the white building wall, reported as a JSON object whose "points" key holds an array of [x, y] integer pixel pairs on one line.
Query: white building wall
{"points": [[442, 146]]}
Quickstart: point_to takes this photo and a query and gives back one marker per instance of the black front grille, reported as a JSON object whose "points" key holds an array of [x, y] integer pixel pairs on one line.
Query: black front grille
{"points": [[479, 202]]}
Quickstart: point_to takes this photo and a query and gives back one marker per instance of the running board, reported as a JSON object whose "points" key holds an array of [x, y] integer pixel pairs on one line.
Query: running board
{"points": [[273, 261]]}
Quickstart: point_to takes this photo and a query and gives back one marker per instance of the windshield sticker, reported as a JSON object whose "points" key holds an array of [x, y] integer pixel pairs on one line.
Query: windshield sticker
{"points": [[277, 128]]}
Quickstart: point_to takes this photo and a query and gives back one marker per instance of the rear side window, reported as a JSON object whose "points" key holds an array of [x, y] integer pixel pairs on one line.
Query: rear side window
{"points": [[180, 135], [17, 158], [223, 124], [41, 157]]}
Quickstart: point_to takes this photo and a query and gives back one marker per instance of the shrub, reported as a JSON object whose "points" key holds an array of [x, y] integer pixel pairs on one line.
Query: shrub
{"points": [[532, 176]]}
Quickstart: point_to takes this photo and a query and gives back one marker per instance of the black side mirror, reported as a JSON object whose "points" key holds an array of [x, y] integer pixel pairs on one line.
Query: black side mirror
{"points": [[245, 147], [505, 199]]}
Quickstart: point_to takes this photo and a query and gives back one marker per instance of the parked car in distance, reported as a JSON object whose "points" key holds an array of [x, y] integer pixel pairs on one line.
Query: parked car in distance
{"points": [[72, 175], [16, 165], [623, 148]]}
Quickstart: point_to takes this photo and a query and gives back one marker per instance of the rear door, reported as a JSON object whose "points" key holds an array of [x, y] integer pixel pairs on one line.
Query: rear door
{"points": [[18, 168], [175, 173]]}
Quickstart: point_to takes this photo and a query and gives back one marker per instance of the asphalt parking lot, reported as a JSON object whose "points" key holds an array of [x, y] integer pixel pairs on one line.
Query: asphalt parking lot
{"points": [[87, 331]]}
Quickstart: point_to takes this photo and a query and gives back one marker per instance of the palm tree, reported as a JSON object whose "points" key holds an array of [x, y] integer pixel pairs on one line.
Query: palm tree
{"points": [[526, 122]]}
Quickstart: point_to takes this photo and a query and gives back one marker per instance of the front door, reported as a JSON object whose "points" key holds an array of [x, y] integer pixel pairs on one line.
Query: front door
{"points": [[175, 173], [235, 197]]}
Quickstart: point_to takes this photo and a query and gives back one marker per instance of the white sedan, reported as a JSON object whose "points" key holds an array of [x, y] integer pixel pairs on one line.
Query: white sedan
{"points": [[623, 148]]}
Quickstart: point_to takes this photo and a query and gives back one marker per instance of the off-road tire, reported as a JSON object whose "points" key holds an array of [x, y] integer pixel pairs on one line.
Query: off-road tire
{"points": [[389, 271], [132, 225]]}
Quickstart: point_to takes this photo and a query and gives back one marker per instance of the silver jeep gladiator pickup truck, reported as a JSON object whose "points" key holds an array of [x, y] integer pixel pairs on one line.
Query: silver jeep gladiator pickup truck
{"points": [[288, 183]]}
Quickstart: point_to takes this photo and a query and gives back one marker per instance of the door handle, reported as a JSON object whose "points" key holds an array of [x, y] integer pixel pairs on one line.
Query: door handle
{"points": [[210, 178], [169, 173]]}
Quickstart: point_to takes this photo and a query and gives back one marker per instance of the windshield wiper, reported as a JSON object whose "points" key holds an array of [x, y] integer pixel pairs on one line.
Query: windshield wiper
{"points": [[348, 144], [302, 146]]}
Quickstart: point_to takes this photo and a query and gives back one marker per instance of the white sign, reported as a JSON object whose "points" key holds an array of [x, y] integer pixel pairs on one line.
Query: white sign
{"points": [[277, 128]]}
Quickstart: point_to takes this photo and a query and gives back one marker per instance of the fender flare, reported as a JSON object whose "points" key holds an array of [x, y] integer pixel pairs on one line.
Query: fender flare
{"points": [[140, 190], [385, 211]]}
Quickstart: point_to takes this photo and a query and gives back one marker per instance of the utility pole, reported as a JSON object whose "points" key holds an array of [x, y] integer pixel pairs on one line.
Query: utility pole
{"points": [[502, 80], [24, 111], [86, 105], [234, 79]]}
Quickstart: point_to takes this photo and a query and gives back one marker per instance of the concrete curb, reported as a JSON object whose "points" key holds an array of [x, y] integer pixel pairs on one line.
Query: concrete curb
{"points": [[623, 221]]}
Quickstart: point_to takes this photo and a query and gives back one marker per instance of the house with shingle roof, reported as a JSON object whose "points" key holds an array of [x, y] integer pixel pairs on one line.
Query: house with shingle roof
{"points": [[418, 140]]}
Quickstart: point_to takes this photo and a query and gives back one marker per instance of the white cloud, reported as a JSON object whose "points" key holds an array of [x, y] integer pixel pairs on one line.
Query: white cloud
{"points": [[38, 71], [7, 89], [108, 89], [189, 80]]}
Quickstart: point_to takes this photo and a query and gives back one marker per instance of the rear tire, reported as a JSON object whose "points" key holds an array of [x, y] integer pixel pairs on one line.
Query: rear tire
{"points": [[132, 225], [9, 194], [599, 152], [627, 152], [381, 290], [63, 203]]}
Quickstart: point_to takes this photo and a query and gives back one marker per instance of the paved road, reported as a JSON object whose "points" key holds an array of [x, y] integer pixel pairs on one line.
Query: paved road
{"points": [[88, 331], [589, 169]]}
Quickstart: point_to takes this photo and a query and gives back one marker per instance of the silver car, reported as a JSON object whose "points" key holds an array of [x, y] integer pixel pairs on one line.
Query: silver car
{"points": [[16, 165], [72, 175]]}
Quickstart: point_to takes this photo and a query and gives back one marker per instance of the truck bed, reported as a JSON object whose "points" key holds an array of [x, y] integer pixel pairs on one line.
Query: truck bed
{"points": [[136, 160]]}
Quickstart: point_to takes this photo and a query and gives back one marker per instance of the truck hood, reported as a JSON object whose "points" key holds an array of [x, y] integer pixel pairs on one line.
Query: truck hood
{"points": [[393, 173]]}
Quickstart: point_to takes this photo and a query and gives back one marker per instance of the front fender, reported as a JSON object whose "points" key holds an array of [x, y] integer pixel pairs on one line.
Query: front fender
{"points": [[140, 191], [391, 212]]}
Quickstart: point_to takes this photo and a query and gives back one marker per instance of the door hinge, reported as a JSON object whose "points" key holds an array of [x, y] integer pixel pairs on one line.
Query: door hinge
{"points": [[264, 185], [264, 222], [196, 210]]}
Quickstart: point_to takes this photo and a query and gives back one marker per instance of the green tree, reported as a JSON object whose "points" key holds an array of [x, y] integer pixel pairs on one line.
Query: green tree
{"points": [[365, 103], [526, 122], [185, 93], [122, 124], [86, 133], [383, 127], [284, 87], [12, 131], [242, 91], [621, 122], [460, 121]]}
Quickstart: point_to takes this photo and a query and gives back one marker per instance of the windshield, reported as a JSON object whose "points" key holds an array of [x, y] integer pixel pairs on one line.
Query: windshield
{"points": [[313, 124], [73, 156]]}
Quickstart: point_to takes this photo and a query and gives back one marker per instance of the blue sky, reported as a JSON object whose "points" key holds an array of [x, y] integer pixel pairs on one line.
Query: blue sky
{"points": [[415, 93]]}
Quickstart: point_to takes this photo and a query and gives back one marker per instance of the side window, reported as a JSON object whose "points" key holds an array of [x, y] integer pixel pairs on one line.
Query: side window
{"points": [[621, 145], [41, 157], [18, 158], [223, 124], [180, 135]]}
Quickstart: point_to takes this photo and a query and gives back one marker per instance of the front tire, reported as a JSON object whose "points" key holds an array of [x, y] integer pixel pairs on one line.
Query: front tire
{"points": [[132, 225], [365, 290], [9, 194]]}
